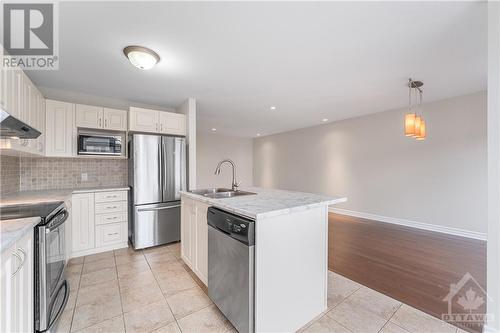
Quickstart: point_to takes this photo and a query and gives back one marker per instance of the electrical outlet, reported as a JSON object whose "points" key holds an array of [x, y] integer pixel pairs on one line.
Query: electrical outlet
{"points": [[84, 177]]}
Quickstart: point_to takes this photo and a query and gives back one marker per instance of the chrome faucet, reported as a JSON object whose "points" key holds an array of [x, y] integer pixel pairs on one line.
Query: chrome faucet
{"points": [[235, 184]]}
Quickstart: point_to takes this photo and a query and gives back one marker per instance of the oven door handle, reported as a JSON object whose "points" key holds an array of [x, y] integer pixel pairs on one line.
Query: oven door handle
{"points": [[61, 221], [63, 304]]}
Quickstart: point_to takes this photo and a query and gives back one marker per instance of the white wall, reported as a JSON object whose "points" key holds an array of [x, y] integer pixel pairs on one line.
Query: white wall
{"points": [[211, 148], [440, 181]]}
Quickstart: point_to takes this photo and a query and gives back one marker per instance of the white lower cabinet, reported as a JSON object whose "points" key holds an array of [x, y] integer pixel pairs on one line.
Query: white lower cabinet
{"points": [[194, 236], [99, 222], [16, 281]]}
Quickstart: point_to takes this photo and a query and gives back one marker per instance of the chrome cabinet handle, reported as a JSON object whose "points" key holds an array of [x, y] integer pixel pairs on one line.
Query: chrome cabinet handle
{"points": [[20, 265], [161, 127], [105, 123], [115, 233], [112, 218], [109, 207]]}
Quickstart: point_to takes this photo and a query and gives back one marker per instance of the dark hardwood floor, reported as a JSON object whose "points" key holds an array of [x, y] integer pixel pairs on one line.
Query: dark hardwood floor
{"points": [[411, 265]]}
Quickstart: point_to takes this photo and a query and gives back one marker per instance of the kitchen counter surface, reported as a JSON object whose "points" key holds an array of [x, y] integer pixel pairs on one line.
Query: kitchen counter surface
{"points": [[12, 230], [268, 202], [39, 196]]}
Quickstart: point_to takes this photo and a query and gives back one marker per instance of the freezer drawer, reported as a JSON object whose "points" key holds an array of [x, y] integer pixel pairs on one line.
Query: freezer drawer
{"points": [[156, 224]]}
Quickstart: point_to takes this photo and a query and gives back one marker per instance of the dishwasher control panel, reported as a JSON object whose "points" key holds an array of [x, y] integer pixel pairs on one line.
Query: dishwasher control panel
{"points": [[237, 227]]}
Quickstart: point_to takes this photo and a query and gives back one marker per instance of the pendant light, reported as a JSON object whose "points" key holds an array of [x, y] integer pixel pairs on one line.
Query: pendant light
{"points": [[415, 124]]}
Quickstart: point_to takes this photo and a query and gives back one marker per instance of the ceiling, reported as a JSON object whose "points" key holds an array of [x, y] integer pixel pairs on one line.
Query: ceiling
{"points": [[332, 60]]}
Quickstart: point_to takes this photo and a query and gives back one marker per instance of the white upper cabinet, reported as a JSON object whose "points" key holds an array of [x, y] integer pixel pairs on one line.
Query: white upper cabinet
{"points": [[60, 131], [153, 121], [89, 116], [172, 123], [143, 120], [115, 119]]}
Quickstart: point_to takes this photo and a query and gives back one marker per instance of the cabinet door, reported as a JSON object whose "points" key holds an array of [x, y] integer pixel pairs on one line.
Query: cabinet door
{"points": [[3, 88], [201, 241], [20, 94], [89, 116], [186, 230], [40, 100], [12, 87], [82, 222], [115, 119], [60, 128], [143, 120], [7, 288], [172, 123], [24, 285]]}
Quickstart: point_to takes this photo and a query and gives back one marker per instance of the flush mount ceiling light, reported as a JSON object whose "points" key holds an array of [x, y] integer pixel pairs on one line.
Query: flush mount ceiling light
{"points": [[214, 129], [141, 57], [414, 123], [272, 108], [324, 120]]}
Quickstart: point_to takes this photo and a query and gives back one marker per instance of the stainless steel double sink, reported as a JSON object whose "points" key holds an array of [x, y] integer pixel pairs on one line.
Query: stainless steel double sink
{"points": [[219, 193]]}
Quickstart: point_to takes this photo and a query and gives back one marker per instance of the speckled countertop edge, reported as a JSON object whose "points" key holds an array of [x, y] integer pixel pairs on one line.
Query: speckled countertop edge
{"points": [[13, 230], [268, 202]]}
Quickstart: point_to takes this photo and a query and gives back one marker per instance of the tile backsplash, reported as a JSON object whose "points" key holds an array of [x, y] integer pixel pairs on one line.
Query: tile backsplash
{"points": [[56, 173], [9, 174]]}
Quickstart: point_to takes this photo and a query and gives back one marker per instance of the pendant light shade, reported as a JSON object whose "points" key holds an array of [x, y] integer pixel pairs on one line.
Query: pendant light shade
{"points": [[418, 122], [422, 134], [410, 124]]}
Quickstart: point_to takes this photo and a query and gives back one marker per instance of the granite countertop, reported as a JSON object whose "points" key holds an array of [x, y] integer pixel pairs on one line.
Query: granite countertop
{"points": [[268, 202], [12, 230], [39, 196]]}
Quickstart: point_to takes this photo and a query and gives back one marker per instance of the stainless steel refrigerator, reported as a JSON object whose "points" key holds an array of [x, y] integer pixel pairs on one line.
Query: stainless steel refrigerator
{"points": [[157, 172]]}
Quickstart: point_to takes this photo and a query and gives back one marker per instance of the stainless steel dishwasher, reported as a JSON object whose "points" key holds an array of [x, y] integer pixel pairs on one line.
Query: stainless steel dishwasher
{"points": [[231, 247]]}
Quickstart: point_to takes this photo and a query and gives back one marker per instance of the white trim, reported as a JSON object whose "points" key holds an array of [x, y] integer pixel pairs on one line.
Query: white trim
{"points": [[96, 250], [412, 224]]}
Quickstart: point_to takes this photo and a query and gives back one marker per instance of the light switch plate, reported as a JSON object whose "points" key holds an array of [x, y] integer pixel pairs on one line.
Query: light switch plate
{"points": [[84, 177]]}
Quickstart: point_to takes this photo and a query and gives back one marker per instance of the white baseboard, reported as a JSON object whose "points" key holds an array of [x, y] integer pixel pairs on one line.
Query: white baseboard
{"points": [[412, 224], [96, 250]]}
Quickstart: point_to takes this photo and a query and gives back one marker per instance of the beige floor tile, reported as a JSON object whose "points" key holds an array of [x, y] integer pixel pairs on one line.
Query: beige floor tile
{"points": [[392, 328], [187, 302], [91, 314], [140, 297], [170, 328], [339, 288], [104, 275], [98, 256], [64, 323], [125, 259], [127, 251], [97, 293], [113, 325], [169, 269], [74, 282], [75, 261], [156, 249], [97, 265], [171, 285], [135, 281], [72, 270], [132, 268], [375, 302], [71, 299], [356, 318], [148, 318], [175, 249], [157, 259], [207, 320], [325, 325], [416, 321]]}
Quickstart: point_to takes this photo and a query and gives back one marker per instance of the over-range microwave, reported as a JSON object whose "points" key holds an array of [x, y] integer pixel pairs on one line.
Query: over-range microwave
{"points": [[90, 143]]}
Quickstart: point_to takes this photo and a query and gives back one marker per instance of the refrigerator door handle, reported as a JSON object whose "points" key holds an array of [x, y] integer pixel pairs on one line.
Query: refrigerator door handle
{"points": [[157, 208], [160, 169]]}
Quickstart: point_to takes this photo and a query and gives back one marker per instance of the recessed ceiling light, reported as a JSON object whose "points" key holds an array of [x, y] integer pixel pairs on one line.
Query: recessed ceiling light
{"points": [[325, 119], [214, 129], [273, 107], [258, 134], [141, 57]]}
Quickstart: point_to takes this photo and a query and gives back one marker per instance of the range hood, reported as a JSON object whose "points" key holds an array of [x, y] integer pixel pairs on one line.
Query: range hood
{"points": [[13, 128]]}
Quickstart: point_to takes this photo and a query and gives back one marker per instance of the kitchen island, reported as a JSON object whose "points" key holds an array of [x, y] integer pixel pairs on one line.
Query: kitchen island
{"points": [[291, 251]]}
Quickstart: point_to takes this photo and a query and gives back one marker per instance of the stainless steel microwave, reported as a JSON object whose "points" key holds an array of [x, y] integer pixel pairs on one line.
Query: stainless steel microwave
{"points": [[100, 144]]}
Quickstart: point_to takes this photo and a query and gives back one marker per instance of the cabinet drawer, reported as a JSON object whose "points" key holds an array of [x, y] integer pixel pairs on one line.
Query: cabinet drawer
{"points": [[111, 207], [111, 196], [108, 234], [110, 218]]}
